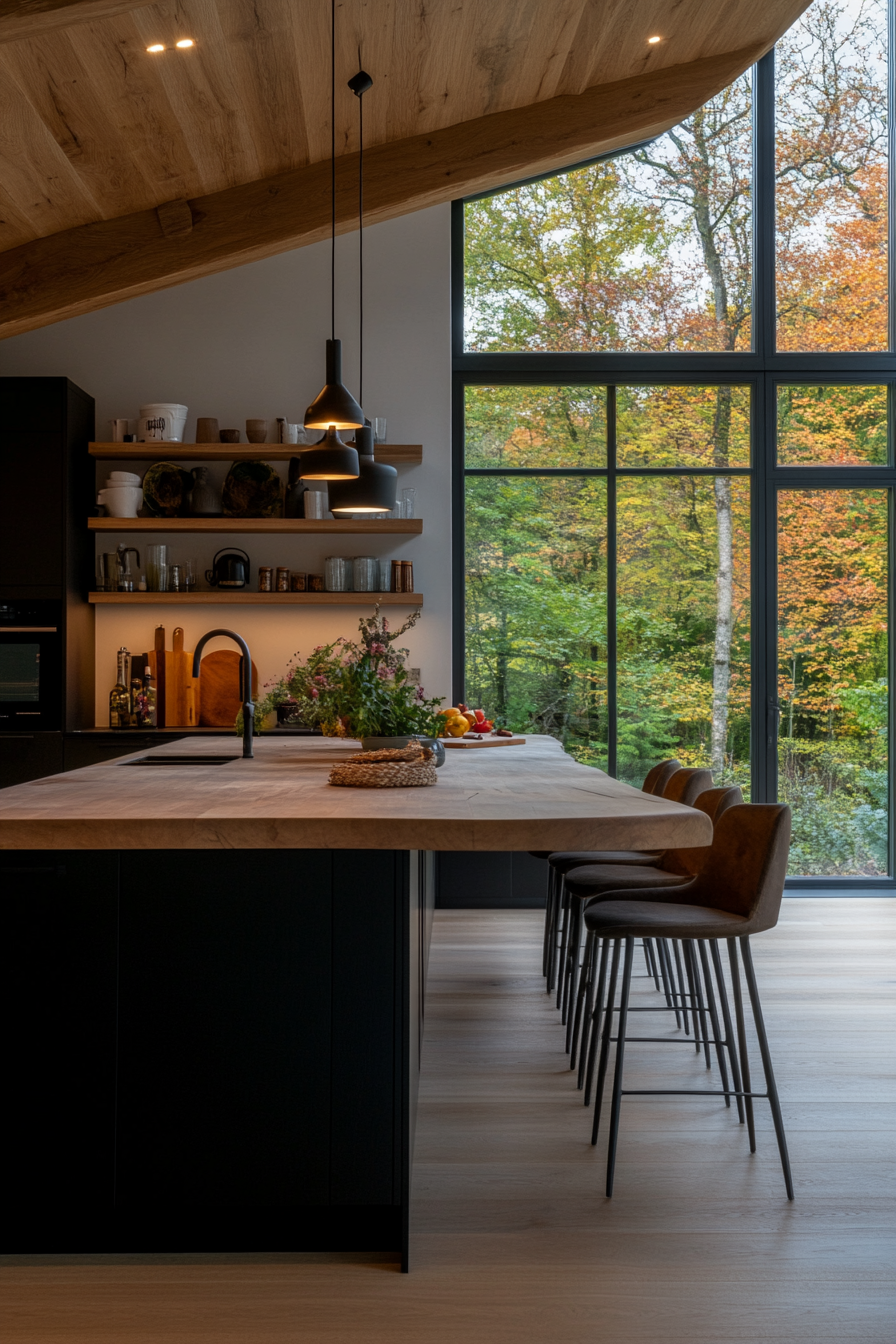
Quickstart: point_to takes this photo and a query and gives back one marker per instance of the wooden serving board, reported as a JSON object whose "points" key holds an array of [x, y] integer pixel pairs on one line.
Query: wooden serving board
{"points": [[219, 688], [182, 697], [486, 742]]}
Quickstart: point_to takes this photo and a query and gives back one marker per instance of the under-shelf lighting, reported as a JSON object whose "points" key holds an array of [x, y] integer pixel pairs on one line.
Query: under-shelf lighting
{"points": [[653, 40], [184, 43], [156, 46]]}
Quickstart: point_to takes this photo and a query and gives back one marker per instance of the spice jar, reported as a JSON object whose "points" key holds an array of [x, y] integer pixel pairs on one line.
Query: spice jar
{"points": [[397, 577], [265, 575], [407, 576], [297, 581], [282, 579], [315, 583]]}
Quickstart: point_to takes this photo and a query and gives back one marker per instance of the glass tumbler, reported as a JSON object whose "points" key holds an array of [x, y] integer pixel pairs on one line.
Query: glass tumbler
{"points": [[336, 572], [365, 574], [408, 503], [157, 569], [315, 503], [385, 567], [379, 429]]}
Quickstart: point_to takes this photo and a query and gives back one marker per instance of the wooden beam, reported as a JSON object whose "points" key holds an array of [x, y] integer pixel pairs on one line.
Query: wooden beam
{"points": [[28, 18], [82, 269]]}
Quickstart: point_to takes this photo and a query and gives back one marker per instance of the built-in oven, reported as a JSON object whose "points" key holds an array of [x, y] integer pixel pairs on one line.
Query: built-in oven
{"points": [[31, 693]]}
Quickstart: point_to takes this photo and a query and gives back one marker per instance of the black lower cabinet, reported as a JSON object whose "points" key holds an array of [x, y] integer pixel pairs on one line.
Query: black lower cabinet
{"points": [[28, 756], [58, 991], [205, 1051]]}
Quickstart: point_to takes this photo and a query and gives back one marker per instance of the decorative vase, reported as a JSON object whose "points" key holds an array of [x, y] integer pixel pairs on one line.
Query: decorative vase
{"points": [[205, 500]]}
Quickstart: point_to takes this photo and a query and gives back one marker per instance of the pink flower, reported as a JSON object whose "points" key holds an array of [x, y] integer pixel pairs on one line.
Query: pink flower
{"points": [[382, 673], [420, 693], [377, 648], [314, 693]]}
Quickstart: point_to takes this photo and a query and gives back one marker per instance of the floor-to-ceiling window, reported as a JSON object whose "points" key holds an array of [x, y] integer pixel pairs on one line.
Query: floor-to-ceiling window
{"points": [[674, 420]]}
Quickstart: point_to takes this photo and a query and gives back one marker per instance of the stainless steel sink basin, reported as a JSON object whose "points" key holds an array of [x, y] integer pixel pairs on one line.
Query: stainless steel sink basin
{"points": [[181, 760]]}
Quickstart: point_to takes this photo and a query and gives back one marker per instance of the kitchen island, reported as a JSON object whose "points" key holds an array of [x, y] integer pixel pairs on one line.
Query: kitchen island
{"points": [[214, 984]]}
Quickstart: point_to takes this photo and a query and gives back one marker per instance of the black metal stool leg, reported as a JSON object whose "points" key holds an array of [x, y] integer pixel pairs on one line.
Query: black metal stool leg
{"points": [[586, 980], [692, 994], [561, 940], [548, 923], [571, 965], [770, 1085], [653, 969], [616, 1104], [596, 1019], [669, 979], [729, 1027], [681, 994], [742, 1041], [699, 1005], [605, 1039], [714, 1022]]}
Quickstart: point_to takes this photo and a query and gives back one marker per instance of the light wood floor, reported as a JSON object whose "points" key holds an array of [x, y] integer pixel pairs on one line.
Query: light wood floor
{"points": [[514, 1240]]}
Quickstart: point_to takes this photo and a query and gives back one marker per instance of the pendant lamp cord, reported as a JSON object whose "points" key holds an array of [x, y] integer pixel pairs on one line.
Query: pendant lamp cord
{"points": [[333, 169], [360, 249]]}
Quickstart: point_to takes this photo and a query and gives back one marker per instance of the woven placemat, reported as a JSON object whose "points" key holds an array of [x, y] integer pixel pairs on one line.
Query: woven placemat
{"points": [[397, 775]]}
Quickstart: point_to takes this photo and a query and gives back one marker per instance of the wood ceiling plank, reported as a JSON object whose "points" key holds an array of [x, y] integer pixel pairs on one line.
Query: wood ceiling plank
{"points": [[265, 46], [49, 76], [205, 97], [43, 185], [84, 269], [23, 19], [114, 55], [13, 225]]}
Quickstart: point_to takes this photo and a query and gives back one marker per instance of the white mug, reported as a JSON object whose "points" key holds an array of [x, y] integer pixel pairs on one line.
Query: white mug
{"points": [[121, 501]]}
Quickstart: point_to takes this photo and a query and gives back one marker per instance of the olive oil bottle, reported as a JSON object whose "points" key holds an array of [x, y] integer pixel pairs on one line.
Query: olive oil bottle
{"points": [[119, 697]]}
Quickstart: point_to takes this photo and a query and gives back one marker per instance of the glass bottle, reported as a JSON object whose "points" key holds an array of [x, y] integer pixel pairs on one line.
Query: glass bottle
{"points": [[119, 700], [148, 704], [136, 689]]}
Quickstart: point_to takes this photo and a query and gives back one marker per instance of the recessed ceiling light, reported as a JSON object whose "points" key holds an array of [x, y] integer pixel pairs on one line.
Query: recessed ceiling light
{"points": [[156, 46], [185, 42], [653, 40]]}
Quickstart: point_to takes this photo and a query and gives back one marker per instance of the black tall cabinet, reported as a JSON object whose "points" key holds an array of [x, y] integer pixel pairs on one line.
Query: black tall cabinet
{"points": [[45, 548]]}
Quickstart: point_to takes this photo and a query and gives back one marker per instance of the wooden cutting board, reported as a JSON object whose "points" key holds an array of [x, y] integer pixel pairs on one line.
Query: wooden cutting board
{"points": [[468, 742], [181, 687], [219, 688]]}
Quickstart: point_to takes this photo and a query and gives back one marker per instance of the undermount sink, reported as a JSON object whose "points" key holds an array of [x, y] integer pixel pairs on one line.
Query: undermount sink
{"points": [[181, 760]]}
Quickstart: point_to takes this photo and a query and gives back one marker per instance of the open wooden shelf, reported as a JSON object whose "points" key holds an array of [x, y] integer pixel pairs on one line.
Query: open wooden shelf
{"points": [[391, 526], [260, 599], [396, 454]]}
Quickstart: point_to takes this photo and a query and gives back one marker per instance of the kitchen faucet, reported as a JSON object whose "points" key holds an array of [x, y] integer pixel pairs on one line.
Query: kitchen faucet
{"points": [[245, 682]]}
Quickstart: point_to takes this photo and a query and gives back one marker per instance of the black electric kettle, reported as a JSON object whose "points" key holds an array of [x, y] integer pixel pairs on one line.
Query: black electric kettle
{"points": [[230, 569]]}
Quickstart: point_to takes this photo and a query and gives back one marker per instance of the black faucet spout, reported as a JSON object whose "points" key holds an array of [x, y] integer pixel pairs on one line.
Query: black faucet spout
{"points": [[245, 682]]}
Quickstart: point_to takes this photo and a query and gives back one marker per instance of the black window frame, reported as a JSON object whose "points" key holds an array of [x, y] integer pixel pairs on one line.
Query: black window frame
{"points": [[763, 369]]}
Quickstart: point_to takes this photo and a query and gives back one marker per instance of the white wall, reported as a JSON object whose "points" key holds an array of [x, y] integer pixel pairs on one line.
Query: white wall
{"points": [[250, 343]]}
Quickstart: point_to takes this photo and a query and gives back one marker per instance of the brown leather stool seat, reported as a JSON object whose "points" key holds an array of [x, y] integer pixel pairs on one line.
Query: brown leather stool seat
{"points": [[736, 893]]}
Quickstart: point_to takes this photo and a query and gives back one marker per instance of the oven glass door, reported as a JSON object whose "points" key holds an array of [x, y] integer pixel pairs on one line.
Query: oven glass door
{"points": [[30, 693]]}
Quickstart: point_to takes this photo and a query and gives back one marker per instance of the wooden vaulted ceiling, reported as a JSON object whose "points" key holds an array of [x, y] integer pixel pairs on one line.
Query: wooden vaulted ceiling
{"points": [[123, 172]]}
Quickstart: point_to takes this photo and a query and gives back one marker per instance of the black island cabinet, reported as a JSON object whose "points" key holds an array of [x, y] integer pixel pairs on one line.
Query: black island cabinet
{"points": [[210, 1050]]}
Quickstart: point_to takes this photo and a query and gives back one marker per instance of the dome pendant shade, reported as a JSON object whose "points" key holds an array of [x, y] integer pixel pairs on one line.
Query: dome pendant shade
{"points": [[330, 459], [374, 489], [334, 404]]}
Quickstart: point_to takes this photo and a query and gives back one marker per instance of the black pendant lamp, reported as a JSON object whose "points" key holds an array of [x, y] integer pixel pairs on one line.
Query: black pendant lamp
{"points": [[373, 491], [334, 407]]}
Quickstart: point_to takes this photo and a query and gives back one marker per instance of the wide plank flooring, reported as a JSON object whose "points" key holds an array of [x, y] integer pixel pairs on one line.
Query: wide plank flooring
{"points": [[513, 1237]]}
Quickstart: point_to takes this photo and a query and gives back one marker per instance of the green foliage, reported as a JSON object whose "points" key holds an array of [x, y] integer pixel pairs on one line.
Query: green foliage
{"points": [[356, 689]]}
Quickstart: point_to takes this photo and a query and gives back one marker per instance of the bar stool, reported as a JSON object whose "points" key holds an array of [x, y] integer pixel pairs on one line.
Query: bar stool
{"points": [[737, 893], [655, 782], [682, 786], [593, 882]]}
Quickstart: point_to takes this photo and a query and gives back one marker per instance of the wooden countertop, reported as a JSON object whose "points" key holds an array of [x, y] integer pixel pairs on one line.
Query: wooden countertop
{"points": [[516, 798]]}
